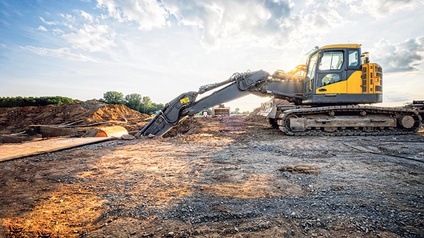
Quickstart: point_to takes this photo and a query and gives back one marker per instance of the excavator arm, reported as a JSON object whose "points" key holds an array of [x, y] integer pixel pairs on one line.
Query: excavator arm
{"points": [[238, 85]]}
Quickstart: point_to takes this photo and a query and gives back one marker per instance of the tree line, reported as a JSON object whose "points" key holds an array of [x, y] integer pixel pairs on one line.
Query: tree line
{"points": [[34, 101], [134, 101]]}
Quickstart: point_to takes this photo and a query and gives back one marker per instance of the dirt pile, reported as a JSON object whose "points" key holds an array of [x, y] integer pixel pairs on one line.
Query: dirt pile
{"points": [[255, 117], [192, 126], [17, 119]]}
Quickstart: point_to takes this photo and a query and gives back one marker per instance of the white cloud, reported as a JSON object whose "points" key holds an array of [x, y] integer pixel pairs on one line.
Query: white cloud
{"points": [[50, 23], [398, 57], [58, 31], [314, 21], [68, 17], [41, 28], [235, 23], [83, 31], [60, 53], [86, 16], [382, 8], [91, 37], [148, 14], [112, 9], [223, 23]]}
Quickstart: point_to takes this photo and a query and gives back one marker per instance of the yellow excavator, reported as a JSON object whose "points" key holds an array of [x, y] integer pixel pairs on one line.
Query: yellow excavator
{"points": [[329, 95]]}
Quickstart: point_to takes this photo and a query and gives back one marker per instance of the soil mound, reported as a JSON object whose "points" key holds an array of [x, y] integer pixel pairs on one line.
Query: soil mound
{"points": [[256, 117], [17, 119], [189, 126]]}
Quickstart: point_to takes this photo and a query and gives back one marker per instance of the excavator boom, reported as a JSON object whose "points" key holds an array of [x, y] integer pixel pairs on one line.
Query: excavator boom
{"points": [[238, 85]]}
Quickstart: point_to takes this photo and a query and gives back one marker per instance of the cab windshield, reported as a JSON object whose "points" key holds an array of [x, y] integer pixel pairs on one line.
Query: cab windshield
{"points": [[331, 61]]}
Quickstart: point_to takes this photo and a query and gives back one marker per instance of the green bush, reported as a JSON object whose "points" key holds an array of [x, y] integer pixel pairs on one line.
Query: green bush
{"points": [[33, 101]]}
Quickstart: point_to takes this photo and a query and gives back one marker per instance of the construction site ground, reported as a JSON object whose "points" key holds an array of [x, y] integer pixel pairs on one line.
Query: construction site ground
{"points": [[219, 177]]}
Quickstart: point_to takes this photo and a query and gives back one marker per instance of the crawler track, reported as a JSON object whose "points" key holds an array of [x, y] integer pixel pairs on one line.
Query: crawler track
{"points": [[349, 121]]}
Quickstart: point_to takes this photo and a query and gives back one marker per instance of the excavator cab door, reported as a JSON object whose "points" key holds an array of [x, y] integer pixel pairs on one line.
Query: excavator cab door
{"points": [[331, 69], [324, 68]]}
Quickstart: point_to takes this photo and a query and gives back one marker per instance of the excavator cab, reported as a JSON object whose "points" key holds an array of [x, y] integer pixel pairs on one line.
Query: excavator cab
{"points": [[336, 75]]}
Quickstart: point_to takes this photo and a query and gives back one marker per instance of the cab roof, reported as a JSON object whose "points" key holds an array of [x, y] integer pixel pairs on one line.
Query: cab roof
{"points": [[343, 46]]}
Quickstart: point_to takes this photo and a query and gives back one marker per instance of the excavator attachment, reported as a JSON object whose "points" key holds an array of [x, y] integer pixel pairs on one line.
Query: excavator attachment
{"points": [[168, 117]]}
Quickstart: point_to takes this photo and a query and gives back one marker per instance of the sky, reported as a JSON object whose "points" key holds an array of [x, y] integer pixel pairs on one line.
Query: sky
{"points": [[162, 48]]}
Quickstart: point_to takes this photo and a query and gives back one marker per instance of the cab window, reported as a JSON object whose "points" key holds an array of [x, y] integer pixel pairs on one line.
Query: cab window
{"points": [[311, 66], [311, 72], [353, 58], [332, 60]]}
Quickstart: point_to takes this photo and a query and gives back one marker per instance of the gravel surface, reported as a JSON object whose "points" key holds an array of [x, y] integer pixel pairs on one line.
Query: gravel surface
{"points": [[225, 177]]}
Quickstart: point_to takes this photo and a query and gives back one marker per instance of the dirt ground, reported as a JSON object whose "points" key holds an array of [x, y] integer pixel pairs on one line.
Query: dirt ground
{"points": [[225, 177]]}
